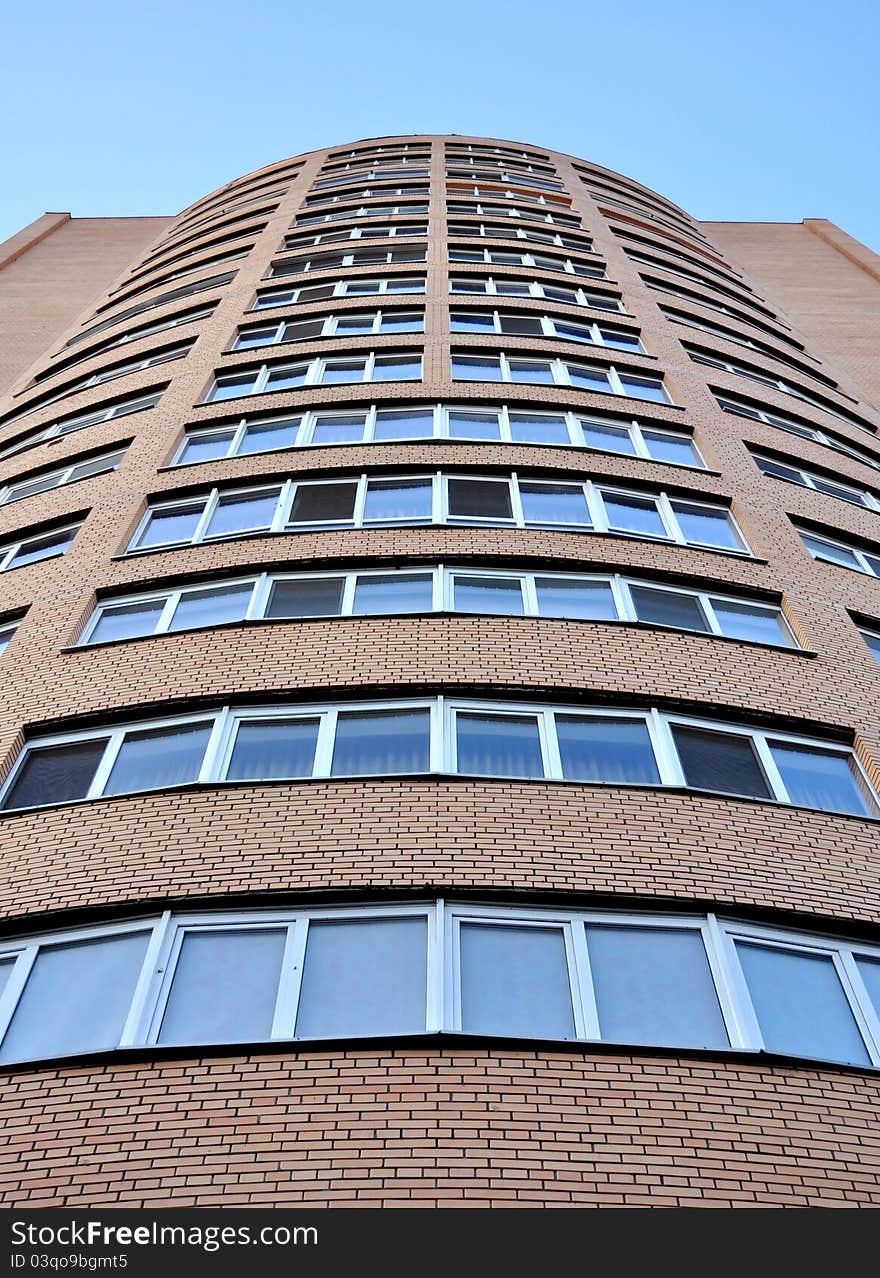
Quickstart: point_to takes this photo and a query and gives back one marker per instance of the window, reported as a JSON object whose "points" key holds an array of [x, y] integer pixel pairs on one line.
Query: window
{"points": [[708, 281], [216, 281], [439, 498], [510, 592], [841, 553], [345, 324], [68, 425], [543, 261], [871, 638], [529, 324], [691, 982], [488, 285], [356, 257], [601, 746], [386, 231], [378, 424], [70, 474], [491, 367], [7, 630], [329, 371], [502, 231], [763, 348], [359, 286], [30, 550], [363, 210], [523, 211], [776, 383], [801, 429], [713, 304], [819, 483]]}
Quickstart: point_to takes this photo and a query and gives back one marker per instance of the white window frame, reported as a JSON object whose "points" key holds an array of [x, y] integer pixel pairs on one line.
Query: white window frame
{"points": [[728, 404], [369, 257], [166, 933], [92, 417], [487, 286], [637, 433], [439, 514], [444, 577], [389, 231], [862, 557], [60, 478], [559, 369], [564, 265], [268, 299], [330, 324], [11, 549], [592, 330], [313, 372], [809, 479]]}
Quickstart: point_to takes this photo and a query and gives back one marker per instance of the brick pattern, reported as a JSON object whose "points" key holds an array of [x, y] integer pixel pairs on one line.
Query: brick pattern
{"points": [[434, 1124], [440, 1127]]}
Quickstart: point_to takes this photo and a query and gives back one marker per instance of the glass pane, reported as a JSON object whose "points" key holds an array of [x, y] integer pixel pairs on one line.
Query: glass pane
{"points": [[637, 515], [873, 642], [514, 981], [538, 428], [242, 512], [488, 594], [869, 970], [654, 985], [365, 977], [527, 370], [475, 369], [612, 751], [398, 499], [343, 371], [6, 966], [232, 387], [828, 550], [521, 325], [339, 430], [401, 592], [158, 757], [397, 368], [205, 447], [588, 378], [409, 423], [284, 378], [479, 499], [125, 621], [224, 989], [498, 745], [644, 390], [268, 748], [821, 779], [355, 323], [306, 597], [381, 742], [76, 998], [471, 322], [748, 621], [706, 527], [260, 437], [800, 1004], [211, 607], [41, 548], [668, 608], [319, 503], [167, 526], [591, 600], [722, 761], [669, 448], [56, 774], [554, 504], [614, 439], [464, 425]]}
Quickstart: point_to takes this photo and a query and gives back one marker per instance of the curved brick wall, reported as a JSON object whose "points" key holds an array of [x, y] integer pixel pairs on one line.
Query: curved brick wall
{"points": [[434, 1123]]}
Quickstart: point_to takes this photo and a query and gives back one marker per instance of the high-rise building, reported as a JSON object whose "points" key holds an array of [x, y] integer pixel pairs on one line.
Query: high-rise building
{"points": [[440, 697]]}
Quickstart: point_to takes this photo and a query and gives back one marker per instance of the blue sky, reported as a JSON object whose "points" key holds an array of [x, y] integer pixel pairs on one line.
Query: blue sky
{"points": [[750, 111]]}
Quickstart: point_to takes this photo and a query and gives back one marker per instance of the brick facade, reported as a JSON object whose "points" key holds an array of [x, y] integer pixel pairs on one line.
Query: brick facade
{"points": [[433, 1123]]}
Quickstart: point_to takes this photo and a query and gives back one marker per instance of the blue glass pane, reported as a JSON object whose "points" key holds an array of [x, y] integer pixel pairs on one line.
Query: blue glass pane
{"points": [[613, 751], [514, 981], [498, 745]]}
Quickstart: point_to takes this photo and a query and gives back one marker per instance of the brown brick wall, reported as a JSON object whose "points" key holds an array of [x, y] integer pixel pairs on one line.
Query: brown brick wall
{"points": [[450, 1127], [433, 1123], [828, 283], [48, 276]]}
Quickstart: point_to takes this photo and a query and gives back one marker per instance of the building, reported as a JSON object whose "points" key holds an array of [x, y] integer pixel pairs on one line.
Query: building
{"points": [[440, 709]]}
